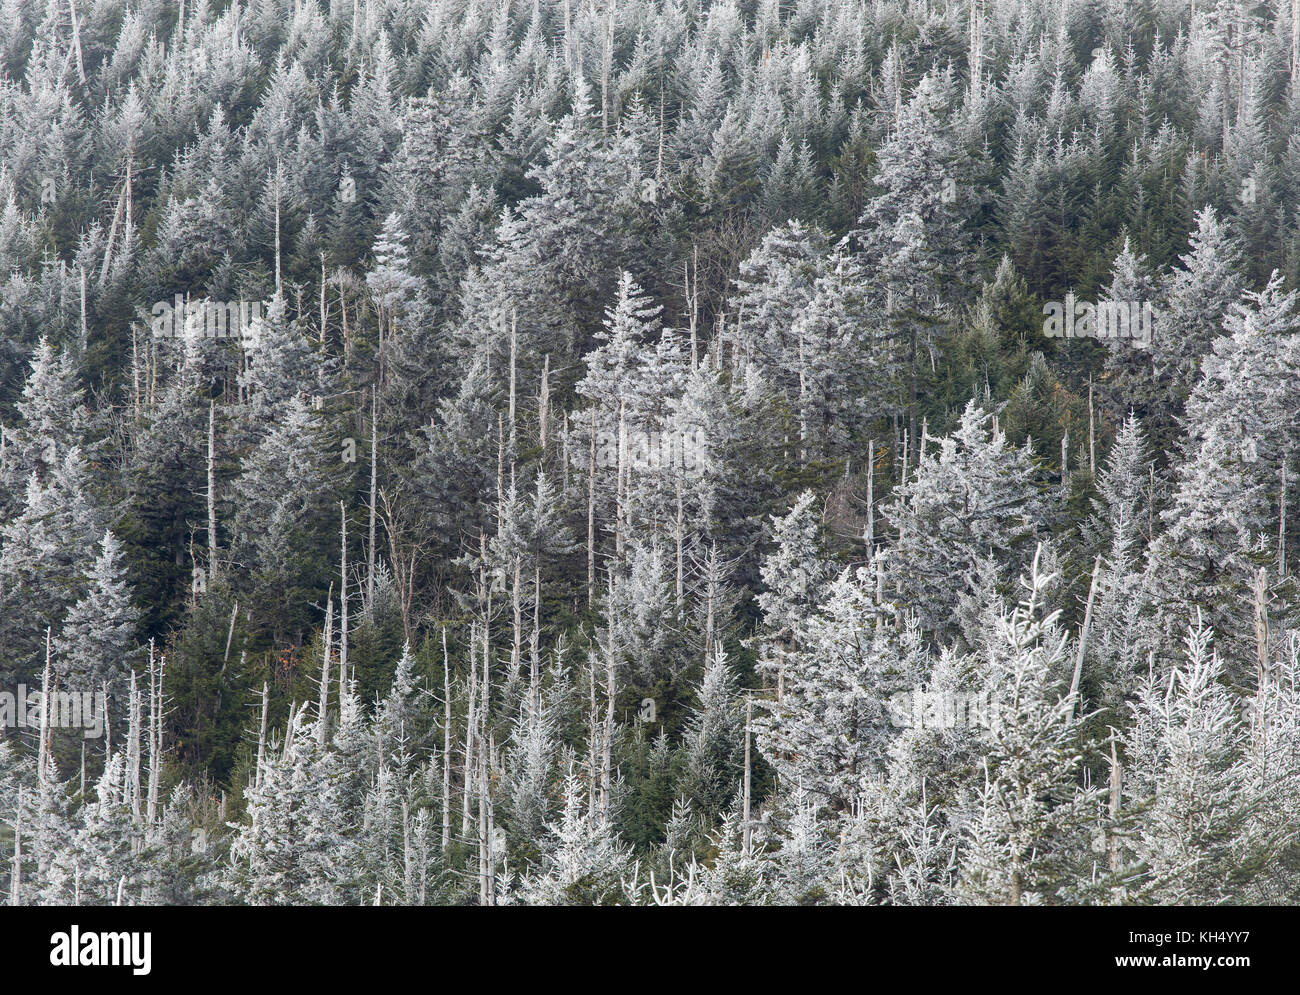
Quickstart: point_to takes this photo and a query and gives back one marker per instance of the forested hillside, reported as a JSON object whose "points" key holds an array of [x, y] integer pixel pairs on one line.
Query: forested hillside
{"points": [[649, 452]]}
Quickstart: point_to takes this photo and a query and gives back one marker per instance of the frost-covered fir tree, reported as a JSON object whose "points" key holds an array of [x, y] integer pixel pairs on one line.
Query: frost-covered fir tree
{"points": [[1118, 530], [828, 728], [1028, 829], [54, 418], [46, 553], [1195, 299], [974, 496], [1195, 826], [283, 504], [911, 233], [96, 646], [1222, 520], [294, 849], [584, 862], [712, 754]]}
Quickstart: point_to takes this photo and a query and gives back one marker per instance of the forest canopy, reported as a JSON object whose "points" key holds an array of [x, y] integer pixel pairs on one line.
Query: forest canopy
{"points": [[654, 452]]}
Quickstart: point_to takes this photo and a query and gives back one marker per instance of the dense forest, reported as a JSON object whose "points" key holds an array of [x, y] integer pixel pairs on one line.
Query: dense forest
{"points": [[598, 452]]}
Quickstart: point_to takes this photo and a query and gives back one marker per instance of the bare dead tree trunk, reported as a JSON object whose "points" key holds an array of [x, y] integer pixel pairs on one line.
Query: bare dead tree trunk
{"points": [[343, 318], [514, 351], [568, 50], [486, 686], [606, 765], [620, 511], [1263, 667], [517, 636], [446, 743], [108, 725], [471, 725], [261, 735], [907, 446], [155, 737], [1295, 41], [544, 404], [591, 515], [1281, 520], [481, 777], [871, 499], [535, 659], [679, 531], [1083, 637], [374, 479], [343, 604], [1116, 791], [85, 324], [230, 634], [212, 488], [803, 401], [323, 707], [43, 750], [749, 718], [16, 876], [593, 767], [711, 594], [76, 42], [501, 469], [133, 749], [1065, 464], [486, 829], [135, 369], [693, 303]]}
